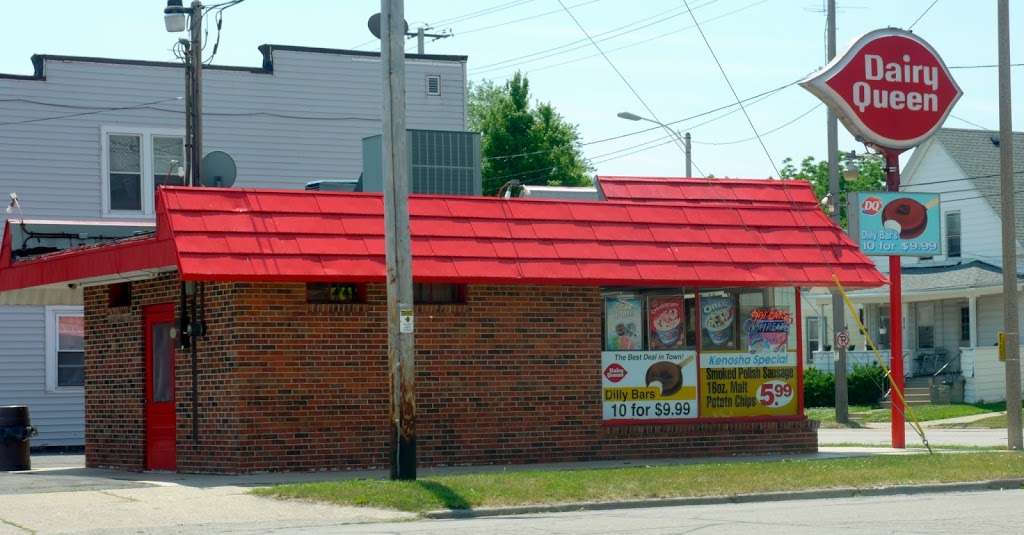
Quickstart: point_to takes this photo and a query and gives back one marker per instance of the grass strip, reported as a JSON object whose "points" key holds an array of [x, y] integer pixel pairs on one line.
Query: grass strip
{"points": [[995, 422], [495, 489], [924, 413]]}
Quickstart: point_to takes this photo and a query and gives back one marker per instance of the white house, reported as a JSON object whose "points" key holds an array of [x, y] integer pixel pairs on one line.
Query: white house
{"points": [[84, 141], [953, 302]]}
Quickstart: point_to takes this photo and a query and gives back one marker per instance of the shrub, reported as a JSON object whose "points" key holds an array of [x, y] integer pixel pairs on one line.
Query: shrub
{"points": [[866, 384], [819, 388]]}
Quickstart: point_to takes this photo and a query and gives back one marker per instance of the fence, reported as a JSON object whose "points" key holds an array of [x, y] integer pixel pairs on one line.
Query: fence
{"points": [[826, 360]]}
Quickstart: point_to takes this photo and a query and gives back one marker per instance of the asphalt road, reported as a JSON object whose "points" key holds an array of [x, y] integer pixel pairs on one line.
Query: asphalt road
{"points": [[953, 513]]}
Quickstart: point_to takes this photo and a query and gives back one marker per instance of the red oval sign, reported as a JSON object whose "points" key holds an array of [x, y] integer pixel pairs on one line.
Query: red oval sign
{"points": [[615, 372], [890, 89]]}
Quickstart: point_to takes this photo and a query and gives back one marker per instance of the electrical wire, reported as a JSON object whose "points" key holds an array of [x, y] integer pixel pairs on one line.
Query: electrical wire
{"points": [[731, 88], [480, 13], [625, 29], [921, 16], [763, 134], [623, 77], [145, 105], [671, 33], [968, 122], [982, 66], [524, 19]]}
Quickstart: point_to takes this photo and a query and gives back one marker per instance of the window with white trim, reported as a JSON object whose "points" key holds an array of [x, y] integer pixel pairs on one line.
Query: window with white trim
{"points": [[135, 161], [65, 348], [953, 234]]}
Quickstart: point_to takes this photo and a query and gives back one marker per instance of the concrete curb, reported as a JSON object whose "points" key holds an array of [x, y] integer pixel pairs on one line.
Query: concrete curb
{"points": [[995, 484]]}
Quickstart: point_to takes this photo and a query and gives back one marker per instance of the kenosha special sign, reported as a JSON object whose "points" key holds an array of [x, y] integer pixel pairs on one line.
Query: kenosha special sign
{"points": [[891, 89]]}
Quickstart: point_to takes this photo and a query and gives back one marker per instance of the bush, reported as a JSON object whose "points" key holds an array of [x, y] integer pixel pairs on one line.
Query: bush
{"points": [[819, 388], [866, 385]]}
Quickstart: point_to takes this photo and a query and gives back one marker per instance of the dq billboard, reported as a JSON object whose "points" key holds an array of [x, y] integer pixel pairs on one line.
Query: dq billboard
{"points": [[896, 223]]}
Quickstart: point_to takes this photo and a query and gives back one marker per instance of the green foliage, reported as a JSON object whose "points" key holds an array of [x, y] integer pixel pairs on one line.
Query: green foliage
{"points": [[866, 384], [819, 388], [509, 125], [871, 178]]}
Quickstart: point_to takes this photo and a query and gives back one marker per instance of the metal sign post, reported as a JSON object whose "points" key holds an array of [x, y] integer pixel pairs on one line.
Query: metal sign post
{"points": [[892, 90]]}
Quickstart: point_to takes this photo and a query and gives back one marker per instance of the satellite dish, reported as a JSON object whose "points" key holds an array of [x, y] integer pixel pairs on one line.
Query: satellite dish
{"points": [[219, 170], [374, 25]]}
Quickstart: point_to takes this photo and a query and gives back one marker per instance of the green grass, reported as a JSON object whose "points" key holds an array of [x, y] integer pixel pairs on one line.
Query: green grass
{"points": [[924, 413], [994, 422], [494, 489], [914, 447]]}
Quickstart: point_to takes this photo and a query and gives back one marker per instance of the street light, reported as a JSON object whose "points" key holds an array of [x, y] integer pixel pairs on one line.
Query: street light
{"points": [[175, 16], [852, 170], [683, 141]]}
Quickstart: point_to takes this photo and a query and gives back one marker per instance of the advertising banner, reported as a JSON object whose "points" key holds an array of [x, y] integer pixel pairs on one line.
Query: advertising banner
{"points": [[623, 322], [718, 317], [896, 223], [741, 384], [648, 385], [665, 318]]}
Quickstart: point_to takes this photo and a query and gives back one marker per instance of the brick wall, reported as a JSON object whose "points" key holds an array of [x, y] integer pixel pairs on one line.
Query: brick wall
{"points": [[511, 376]]}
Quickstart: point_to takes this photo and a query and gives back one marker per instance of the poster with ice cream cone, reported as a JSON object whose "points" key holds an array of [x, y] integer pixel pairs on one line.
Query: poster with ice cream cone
{"points": [[896, 223]]}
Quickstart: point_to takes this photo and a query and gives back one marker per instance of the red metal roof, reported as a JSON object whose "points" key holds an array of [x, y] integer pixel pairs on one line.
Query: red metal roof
{"points": [[279, 235], [729, 191]]}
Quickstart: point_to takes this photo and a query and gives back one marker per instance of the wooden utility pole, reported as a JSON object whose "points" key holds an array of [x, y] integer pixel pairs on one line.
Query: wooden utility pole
{"points": [[838, 313], [1014, 438], [401, 350]]}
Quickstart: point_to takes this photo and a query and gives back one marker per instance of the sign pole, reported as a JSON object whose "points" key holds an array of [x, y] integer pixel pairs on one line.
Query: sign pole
{"points": [[892, 181]]}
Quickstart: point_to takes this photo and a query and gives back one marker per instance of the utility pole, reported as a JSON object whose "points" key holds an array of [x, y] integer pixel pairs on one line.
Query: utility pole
{"points": [[1014, 438], [689, 154], [196, 106], [420, 35], [401, 350], [838, 313]]}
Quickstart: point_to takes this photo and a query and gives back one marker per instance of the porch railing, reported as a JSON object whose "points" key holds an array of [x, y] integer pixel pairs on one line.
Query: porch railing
{"points": [[826, 360]]}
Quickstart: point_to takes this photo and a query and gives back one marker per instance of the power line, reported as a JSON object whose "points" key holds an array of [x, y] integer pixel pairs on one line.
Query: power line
{"points": [[765, 133], [524, 19], [992, 66], [641, 24], [92, 112], [621, 76], [671, 33], [731, 88], [961, 119], [480, 13], [921, 16]]}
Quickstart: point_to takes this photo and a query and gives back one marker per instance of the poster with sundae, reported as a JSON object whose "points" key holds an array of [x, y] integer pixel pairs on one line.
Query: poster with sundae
{"points": [[623, 323], [665, 319], [718, 317]]}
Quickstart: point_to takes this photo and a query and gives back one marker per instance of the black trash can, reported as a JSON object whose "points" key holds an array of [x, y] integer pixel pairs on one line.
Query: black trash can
{"points": [[15, 432]]}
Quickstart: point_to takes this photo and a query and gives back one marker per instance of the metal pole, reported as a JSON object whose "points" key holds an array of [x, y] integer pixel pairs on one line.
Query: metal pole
{"points": [[396, 234], [838, 312], [1014, 438], [689, 155], [197, 92], [899, 440], [419, 41]]}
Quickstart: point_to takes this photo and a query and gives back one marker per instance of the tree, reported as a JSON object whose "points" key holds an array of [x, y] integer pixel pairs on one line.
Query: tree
{"points": [[871, 178], [532, 144]]}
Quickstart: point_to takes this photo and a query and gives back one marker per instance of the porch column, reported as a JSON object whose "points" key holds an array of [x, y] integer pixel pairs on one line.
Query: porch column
{"points": [[909, 339], [972, 319]]}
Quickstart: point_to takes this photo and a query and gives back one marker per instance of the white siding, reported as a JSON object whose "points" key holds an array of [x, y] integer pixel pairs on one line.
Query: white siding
{"points": [[55, 165], [58, 416], [984, 376], [980, 227]]}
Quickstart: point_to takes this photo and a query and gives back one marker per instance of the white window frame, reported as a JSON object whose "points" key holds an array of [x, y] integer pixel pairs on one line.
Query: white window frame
{"points": [[945, 224], [146, 148], [52, 344]]}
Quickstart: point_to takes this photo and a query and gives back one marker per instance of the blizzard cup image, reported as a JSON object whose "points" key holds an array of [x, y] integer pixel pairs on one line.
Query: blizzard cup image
{"points": [[718, 317]]}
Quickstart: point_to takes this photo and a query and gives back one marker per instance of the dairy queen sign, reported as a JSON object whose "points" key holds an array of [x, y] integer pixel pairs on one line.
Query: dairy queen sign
{"points": [[892, 91]]}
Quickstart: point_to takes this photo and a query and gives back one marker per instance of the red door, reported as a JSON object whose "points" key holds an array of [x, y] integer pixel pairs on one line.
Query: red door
{"points": [[161, 453]]}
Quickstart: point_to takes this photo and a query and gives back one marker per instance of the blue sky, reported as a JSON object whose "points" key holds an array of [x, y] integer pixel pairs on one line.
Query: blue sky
{"points": [[762, 44]]}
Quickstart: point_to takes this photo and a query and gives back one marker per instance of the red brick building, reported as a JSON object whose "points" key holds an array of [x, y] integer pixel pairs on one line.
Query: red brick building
{"points": [[654, 324]]}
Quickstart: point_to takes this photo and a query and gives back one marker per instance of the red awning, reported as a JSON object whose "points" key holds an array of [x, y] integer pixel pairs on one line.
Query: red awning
{"points": [[289, 235]]}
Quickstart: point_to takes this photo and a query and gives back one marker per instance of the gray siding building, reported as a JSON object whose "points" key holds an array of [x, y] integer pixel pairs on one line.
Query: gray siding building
{"points": [[84, 141]]}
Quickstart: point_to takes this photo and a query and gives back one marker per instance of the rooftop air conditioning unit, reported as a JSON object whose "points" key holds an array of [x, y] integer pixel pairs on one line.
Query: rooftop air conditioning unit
{"points": [[441, 162]]}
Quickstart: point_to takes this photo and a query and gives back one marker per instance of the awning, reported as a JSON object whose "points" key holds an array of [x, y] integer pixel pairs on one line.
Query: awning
{"points": [[290, 235]]}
